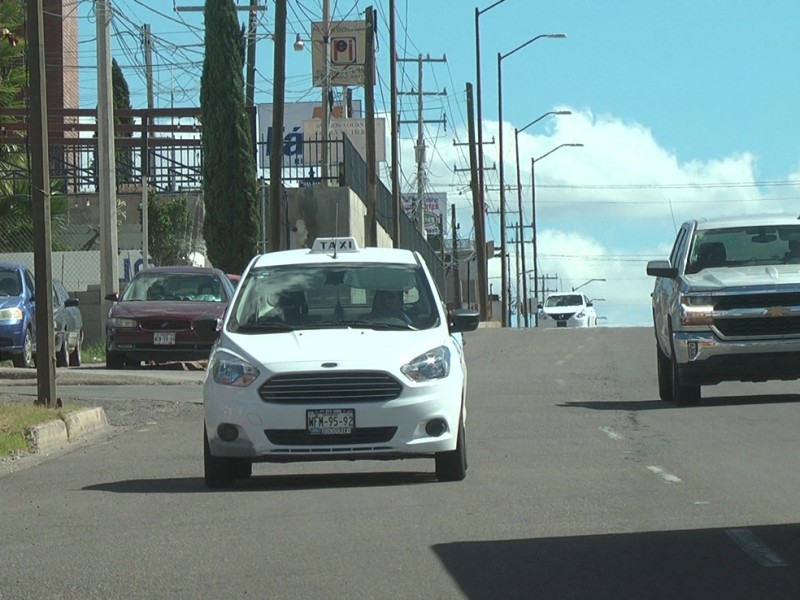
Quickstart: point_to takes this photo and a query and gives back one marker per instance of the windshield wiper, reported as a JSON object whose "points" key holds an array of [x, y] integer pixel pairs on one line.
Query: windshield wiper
{"points": [[264, 327], [363, 324]]}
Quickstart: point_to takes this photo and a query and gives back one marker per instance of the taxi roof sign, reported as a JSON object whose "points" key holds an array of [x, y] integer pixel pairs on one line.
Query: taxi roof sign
{"points": [[335, 245]]}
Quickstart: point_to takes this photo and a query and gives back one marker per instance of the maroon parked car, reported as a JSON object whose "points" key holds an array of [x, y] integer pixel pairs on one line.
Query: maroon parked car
{"points": [[166, 314]]}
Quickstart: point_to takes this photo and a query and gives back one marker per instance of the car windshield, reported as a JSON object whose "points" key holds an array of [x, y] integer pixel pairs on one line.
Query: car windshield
{"points": [[175, 286], [377, 296], [744, 246], [568, 300], [10, 283]]}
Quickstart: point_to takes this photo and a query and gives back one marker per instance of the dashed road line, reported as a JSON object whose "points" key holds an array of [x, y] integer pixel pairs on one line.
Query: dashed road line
{"points": [[666, 476], [611, 433]]}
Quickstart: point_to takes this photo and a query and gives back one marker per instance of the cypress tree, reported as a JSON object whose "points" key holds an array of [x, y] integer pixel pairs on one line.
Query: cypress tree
{"points": [[230, 226]]}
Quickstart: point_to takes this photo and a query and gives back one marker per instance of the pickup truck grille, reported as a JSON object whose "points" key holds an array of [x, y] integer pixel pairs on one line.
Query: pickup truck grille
{"points": [[758, 327], [757, 301]]}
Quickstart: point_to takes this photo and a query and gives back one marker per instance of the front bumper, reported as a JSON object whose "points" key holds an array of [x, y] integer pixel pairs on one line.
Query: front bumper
{"points": [[705, 359], [383, 430]]}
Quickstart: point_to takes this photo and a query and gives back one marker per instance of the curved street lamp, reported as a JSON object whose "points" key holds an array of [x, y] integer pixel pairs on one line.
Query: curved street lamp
{"points": [[500, 58], [521, 244], [533, 221], [587, 283]]}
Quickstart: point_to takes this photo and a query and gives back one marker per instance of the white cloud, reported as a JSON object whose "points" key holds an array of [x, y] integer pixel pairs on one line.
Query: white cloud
{"points": [[603, 209]]}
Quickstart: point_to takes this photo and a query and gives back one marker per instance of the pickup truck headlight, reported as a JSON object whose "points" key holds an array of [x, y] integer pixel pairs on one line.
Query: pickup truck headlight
{"points": [[697, 310], [434, 364], [11, 314]]}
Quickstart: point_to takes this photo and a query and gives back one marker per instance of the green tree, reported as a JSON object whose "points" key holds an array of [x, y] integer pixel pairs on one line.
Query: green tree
{"points": [[169, 230], [122, 100], [230, 227]]}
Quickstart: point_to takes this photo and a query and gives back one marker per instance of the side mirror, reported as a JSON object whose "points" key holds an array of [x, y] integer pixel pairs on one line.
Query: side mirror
{"points": [[113, 296], [661, 268], [463, 319], [71, 302]]}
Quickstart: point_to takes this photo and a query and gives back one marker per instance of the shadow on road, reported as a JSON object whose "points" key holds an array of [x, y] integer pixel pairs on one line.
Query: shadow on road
{"points": [[705, 564], [643, 405], [263, 483]]}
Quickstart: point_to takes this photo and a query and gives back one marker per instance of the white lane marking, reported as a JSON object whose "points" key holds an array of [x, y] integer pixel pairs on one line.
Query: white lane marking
{"points": [[611, 433], [559, 363], [668, 477], [755, 548], [561, 382]]}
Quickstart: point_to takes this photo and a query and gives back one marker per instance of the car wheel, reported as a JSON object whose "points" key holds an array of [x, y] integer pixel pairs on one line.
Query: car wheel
{"points": [[75, 355], [62, 356], [664, 375], [682, 395], [25, 359], [452, 465], [218, 472], [115, 360]]}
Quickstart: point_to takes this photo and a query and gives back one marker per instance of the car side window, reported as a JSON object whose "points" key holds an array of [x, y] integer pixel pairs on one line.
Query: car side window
{"points": [[29, 281]]}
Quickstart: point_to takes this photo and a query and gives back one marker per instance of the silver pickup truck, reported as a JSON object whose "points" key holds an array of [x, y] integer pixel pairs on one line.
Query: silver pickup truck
{"points": [[726, 305]]}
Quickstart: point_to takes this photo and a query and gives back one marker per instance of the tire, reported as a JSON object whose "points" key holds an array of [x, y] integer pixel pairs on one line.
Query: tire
{"points": [[75, 358], [62, 355], [114, 359], [25, 360], [219, 473], [682, 395], [664, 375], [452, 465]]}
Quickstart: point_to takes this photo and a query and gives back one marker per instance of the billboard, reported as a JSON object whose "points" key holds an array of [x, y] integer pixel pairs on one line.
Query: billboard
{"points": [[435, 210], [294, 113], [356, 130], [347, 52]]}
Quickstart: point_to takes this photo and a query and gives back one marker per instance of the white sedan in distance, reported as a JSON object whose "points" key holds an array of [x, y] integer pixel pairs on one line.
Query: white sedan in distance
{"points": [[568, 309]]}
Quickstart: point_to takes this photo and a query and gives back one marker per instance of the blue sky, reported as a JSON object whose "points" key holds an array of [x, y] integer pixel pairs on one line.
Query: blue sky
{"points": [[684, 108]]}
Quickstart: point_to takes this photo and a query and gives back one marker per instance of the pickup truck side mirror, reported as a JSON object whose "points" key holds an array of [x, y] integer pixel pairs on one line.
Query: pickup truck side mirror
{"points": [[661, 268]]}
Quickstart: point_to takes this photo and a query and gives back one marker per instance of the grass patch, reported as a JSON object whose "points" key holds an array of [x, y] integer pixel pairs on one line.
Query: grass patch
{"points": [[92, 354], [17, 418]]}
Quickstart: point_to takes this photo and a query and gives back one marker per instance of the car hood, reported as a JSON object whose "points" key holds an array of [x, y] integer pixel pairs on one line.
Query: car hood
{"points": [[167, 308], [347, 348], [557, 310], [10, 301], [768, 275]]}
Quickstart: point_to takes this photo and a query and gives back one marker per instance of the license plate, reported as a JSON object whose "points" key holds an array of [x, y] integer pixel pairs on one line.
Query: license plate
{"points": [[330, 421], [164, 338]]}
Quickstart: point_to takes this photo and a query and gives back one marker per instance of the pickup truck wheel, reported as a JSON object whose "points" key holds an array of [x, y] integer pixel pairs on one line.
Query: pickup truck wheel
{"points": [[664, 375], [682, 395]]}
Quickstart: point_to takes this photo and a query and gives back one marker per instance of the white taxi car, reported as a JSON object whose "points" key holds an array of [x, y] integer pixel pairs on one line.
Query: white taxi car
{"points": [[567, 309], [336, 353]]}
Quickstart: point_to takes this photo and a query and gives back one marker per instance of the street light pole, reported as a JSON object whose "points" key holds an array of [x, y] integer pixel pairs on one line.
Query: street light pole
{"points": [[520, 242], [533, 222], [587, 283], [481, 189], [500, 58]]}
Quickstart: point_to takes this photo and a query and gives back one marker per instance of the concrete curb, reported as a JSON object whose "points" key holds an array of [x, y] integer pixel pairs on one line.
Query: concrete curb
{"points": [[75, 425]]}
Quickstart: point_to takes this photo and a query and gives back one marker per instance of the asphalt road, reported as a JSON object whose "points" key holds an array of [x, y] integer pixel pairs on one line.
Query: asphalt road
{"points": [[581, 485]]}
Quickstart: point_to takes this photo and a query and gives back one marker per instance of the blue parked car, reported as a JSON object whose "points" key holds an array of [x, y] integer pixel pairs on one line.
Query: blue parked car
{"points": [[17, 315]]}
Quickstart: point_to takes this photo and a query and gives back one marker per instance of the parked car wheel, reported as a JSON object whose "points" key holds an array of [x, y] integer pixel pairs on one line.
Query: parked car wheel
{"points": [[664, 375], [115, 360], [62, 356], [452, 465], [75, 355], [25, 359], [218, 472]]}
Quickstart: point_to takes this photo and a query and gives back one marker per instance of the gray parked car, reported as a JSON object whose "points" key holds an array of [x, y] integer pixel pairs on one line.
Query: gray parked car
{"points": [[68, 324], [726, 305]]}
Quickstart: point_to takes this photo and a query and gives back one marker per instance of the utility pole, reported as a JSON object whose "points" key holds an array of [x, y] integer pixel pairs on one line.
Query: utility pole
{"points": [[40, 204], [276, 152], [454, 261], [326, 86], [420, 149], [477, 211], [109, 267], [146, 166], [395, 136], [369, 104]]}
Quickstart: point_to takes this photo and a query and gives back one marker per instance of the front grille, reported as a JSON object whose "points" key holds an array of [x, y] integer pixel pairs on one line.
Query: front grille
{"points": [[330, 387], [300, 437], [165, 324], [562, 316], [758, 327], [757, 301]]}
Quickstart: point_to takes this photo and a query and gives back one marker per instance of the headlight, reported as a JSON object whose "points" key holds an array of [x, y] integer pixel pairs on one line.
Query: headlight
{"points": [[122, 323], [434, 364], [227, 369], [581, 314], [11, 314], [696, 310]]}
